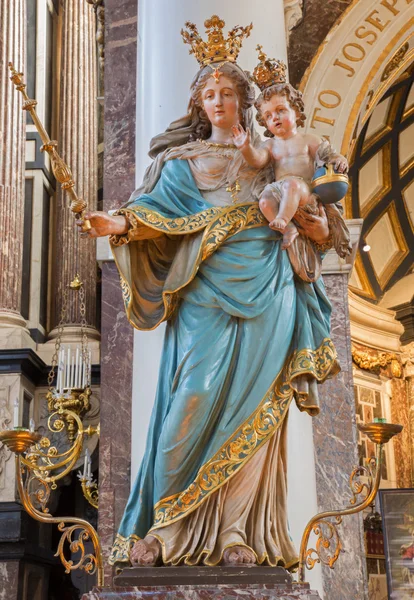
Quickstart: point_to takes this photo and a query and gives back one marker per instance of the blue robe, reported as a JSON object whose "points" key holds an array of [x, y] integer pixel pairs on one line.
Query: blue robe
{"points": [[244, 337]]}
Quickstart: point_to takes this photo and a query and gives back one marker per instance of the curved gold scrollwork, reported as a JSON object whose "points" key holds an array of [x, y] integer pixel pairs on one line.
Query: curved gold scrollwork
{"points": [[47, 463], [75, 532], [328, 543], [359, 487], [87, 562]]}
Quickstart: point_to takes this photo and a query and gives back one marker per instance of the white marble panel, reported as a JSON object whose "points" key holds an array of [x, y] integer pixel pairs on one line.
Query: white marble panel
{"points": [[370, 179], [406, 146], [383, 244], [408, 196], [409, 105], [30, 150], [378, 118], [354, 280]]}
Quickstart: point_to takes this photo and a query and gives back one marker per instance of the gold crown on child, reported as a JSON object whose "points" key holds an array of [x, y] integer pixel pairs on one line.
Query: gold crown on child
{"points": [[269, 71], [216, 48]]}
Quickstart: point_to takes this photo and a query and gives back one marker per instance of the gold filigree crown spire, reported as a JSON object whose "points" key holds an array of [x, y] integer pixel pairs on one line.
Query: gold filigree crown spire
{"points": [[269, 71], [216, 48]]}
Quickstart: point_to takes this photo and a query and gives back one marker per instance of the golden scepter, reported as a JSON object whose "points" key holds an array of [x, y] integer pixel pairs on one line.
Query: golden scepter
{"points": [[60, 169]]}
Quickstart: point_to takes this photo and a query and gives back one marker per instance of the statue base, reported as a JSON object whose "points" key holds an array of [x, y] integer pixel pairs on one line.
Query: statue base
{"points": [[199, 583]]}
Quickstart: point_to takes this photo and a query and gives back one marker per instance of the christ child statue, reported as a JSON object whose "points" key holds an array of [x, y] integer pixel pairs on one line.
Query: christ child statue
{"points": [[293, 155]]}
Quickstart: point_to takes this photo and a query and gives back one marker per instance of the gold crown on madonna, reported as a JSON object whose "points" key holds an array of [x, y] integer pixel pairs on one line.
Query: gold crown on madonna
{"points": [[269, 71], [216, 48]]}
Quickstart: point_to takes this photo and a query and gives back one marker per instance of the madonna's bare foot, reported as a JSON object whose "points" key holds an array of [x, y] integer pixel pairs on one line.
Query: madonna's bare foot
{"points": [[238, 555], [146, 552]]}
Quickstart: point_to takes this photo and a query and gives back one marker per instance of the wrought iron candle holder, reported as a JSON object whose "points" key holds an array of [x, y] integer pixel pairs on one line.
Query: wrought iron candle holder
{"points": [[328, 543]]}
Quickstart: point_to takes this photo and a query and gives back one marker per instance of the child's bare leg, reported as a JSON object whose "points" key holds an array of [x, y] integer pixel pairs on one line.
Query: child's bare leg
{"points": [[269, 204], [294, 192]]}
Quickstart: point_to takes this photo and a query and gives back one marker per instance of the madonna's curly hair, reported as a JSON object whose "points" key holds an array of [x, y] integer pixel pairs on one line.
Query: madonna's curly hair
{"points": [[244, 89], [293, 96]]}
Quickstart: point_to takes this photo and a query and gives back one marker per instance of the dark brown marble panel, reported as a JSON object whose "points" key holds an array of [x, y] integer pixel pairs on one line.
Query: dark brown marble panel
{"points": [[120, 100], [218, 592], [117, 333], [336, 452], [116, 393], [306, 37]]}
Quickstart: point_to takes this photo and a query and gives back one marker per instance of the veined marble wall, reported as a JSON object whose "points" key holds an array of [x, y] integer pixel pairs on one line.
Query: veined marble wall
{"points": [[117, 334]]}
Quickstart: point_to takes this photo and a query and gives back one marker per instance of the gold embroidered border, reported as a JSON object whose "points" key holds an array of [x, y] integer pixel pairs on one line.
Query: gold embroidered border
{"points": [[242, 445], [218, 227], [250, 436], [315, 363], [177, 226], [122, 548]]}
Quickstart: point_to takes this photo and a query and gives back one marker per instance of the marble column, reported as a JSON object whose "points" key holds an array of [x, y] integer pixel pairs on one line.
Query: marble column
{"points": [[12, 167], [78, 144], [335, 440], [117, 334], [408, 362]]}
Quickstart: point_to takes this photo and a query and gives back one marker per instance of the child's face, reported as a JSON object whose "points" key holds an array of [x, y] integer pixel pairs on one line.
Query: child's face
{"points": [[279, 116]]}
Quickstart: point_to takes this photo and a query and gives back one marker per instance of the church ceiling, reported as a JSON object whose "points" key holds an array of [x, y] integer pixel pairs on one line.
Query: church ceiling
{"points": [[382, 192]]}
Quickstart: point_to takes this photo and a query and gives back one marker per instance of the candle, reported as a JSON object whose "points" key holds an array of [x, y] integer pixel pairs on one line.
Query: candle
{"points": [[72, 377], [86, 464], [16, 413], [89, 467], [77, 382], [63, 368], [32, 425], [67, 382]]}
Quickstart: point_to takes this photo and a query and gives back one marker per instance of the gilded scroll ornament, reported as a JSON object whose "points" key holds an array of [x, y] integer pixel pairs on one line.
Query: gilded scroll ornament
{"points": [[328, 543], [395, 61], [376, 361]]}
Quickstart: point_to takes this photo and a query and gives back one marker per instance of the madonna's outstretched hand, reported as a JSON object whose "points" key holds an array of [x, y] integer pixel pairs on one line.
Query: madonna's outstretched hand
{"points": [[103, 224]]}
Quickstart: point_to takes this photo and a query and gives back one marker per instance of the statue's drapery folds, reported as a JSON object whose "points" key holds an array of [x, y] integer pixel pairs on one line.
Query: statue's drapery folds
{"points": [[245, 336]]}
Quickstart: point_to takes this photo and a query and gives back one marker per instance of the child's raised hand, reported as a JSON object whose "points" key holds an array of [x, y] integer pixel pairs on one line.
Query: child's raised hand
{"points": [[241, 137]]}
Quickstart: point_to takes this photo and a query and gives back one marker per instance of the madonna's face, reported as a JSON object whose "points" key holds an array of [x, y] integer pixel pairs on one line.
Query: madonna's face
{"points": [[221, 102]]}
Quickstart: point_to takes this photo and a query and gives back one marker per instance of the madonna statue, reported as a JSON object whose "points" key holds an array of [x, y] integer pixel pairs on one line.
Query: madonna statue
{"points": [[245, 334]]}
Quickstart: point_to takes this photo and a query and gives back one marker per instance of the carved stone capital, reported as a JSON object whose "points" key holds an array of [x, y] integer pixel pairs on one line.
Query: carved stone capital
{"points": [[407, 359], [293, 15]]}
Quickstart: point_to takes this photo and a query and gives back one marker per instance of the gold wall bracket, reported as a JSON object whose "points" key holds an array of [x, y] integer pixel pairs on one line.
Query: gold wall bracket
{"points": [[328, 543], [39, 466]]}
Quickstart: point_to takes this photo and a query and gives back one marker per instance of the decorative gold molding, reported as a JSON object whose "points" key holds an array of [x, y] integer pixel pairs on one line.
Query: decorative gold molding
{"points": [[366, 290], [379, 92], [375, 361], [389, 122], [410, 217], [395, 61]]}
